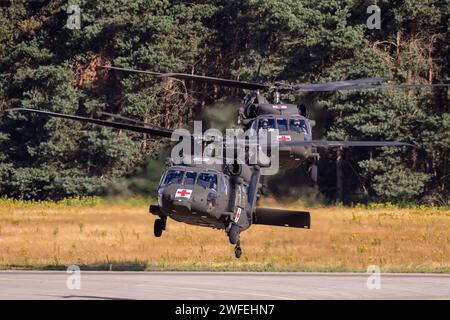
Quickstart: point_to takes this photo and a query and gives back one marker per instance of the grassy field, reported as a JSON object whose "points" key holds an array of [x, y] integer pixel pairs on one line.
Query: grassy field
{"points": [[119, 236]]}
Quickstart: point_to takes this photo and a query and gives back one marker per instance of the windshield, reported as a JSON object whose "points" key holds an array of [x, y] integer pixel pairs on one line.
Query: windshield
{"points": [[298, 125], [266, 123], [207, 180], [173, 176], [189, 178], [282, 124]]}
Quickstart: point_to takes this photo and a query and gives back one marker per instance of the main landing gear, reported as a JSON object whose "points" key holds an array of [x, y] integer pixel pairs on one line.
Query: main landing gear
{"points": [[159, 226], [238, 250], [234, 237]]}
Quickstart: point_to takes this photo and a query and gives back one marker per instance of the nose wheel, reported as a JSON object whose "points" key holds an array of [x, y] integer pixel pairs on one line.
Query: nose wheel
{"points": [[159, 226]]}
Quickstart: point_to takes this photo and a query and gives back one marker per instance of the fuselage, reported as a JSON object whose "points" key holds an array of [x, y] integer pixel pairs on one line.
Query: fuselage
{"points": [[285, 121], [203, 195]]}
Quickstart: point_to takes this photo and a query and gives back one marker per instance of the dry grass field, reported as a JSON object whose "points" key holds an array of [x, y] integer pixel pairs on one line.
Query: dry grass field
{"points": [[119, 236]]}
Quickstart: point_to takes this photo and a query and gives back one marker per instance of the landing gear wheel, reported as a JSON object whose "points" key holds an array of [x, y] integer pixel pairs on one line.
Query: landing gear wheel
{"points": [[238, 250], [158, 227], [234, 234]]}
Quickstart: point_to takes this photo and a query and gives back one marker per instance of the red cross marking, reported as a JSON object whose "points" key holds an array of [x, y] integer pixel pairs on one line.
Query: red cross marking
{"points": [[284, 138], [184, 192]]}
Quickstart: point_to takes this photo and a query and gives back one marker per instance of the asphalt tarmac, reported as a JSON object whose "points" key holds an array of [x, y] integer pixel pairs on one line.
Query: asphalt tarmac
{"points": [[220, 285]]}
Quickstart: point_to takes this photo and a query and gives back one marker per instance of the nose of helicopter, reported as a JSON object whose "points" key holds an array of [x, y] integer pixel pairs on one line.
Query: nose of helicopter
{"points": [[183, 200], [288, 152], [182, 205]]}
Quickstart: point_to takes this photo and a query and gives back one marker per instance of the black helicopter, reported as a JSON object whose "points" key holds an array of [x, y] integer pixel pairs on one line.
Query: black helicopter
{"points": [[220, 197], [289, 121]]}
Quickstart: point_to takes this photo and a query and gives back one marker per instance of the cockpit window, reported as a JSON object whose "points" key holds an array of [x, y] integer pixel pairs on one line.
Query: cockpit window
{"points": [[282, 124], [207, 180], [223, 186], [189, 178], [266, 123], [298, 125], [174, 176]]}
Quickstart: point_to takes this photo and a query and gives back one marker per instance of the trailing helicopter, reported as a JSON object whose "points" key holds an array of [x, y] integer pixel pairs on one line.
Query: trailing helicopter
{"points": [[293, 129]]}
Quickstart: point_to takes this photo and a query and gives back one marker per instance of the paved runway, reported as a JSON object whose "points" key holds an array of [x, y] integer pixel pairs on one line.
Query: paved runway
{"points": [[214, 285]]}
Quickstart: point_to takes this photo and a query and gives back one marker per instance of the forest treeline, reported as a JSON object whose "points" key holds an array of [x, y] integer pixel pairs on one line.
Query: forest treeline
{"points": [[45, 65]]}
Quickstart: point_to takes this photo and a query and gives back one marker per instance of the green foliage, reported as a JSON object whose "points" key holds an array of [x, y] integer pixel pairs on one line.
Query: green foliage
{"points": [[46, 66], [399, 184]]}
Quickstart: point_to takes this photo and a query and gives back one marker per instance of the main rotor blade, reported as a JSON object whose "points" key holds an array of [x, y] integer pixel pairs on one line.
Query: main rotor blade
{"points": [[186, 76], [324, 143], [332, 86], [360, 80], [402, 85], [131, 70], [328, 144], [220, 81], [338, 87], [117, 116], [355, 84], [167, 133]]}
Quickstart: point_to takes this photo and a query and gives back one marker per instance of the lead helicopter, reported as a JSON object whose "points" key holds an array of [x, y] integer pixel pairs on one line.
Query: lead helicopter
{"points": [[224, 196]]}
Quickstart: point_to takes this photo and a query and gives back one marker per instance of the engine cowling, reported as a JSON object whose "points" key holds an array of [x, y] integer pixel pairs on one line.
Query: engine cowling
{"points": [[239, 170]]}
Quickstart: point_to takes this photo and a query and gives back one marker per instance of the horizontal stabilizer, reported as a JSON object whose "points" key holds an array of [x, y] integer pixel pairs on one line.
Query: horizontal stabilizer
{"points": [[282, 218]]}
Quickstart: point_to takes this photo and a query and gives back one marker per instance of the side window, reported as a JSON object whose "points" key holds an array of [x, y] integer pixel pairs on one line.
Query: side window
{"points": [[238, 196], [223, 186], [207, 180], [267, 124], [173, 176], [244, 197], [298, 125], [162, 178], [241, 196]]}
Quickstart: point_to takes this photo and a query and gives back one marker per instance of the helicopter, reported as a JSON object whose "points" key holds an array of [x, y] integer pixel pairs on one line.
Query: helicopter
{"points": [[220, 197], [289, 122]]}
